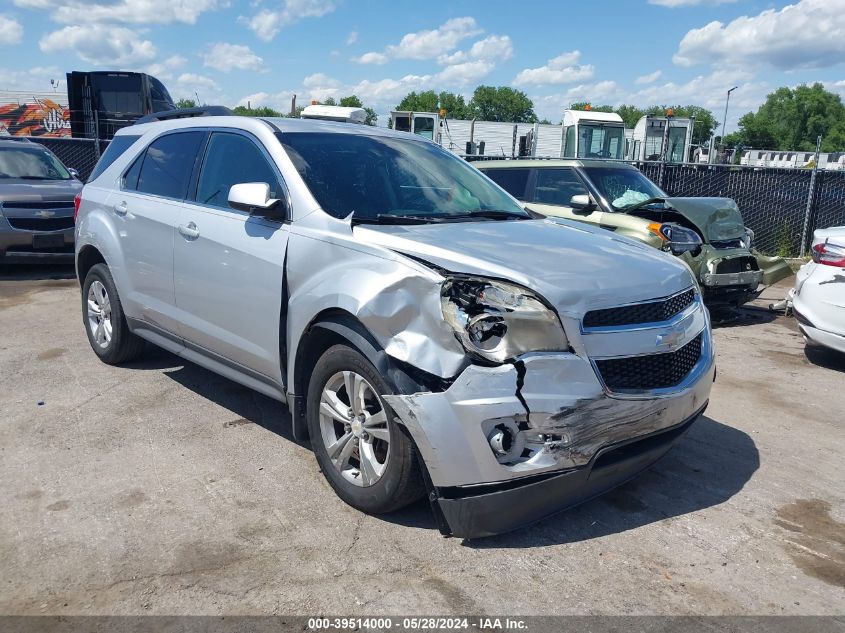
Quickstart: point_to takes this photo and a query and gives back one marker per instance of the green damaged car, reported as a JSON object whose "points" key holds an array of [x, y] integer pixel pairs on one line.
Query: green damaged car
{"points": [[707, 233]]}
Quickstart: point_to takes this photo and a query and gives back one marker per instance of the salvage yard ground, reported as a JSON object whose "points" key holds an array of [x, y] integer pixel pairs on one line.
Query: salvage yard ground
{"points": [[161, 488]]}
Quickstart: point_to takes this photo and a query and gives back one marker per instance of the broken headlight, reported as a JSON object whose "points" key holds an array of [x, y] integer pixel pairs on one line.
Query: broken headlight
{"points": [[676, 238], [747, 238], [498, 321]]}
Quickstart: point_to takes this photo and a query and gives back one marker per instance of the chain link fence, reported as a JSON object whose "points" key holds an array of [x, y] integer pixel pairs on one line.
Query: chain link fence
{"points": [[80, 154], [775, 203]]}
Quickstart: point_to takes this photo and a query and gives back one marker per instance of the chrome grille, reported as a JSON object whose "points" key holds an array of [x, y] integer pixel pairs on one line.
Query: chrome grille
{"points": [[654, 371], [650, 312]]}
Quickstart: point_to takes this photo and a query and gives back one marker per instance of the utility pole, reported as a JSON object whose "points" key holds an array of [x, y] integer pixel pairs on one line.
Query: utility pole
{"points": [[725, 120]]}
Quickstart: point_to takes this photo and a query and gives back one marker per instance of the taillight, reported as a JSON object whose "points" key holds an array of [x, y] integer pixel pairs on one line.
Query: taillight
{"points": [[829, 254], [77, 200]]}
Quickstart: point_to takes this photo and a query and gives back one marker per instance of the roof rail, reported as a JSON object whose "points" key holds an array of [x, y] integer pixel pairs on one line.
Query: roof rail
{"points": [[185, 113]]}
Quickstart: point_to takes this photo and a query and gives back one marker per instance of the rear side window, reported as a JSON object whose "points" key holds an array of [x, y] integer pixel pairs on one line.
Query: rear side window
{"points": [[557, 186], [514, 181], [116, 147], [168, 163], [219, 170]]}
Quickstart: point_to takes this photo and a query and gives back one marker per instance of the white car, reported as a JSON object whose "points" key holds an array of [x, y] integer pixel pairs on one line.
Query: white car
{"points": [[818, 300]]}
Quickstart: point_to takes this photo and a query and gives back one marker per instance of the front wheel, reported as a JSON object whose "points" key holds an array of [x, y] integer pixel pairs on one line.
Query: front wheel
{"points": [[366, 457]]}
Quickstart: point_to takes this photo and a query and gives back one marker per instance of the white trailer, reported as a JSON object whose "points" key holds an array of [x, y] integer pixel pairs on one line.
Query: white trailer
{"points": [[583, 133]]}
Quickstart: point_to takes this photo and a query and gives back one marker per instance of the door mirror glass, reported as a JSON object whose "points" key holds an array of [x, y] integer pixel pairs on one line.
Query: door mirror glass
{"points": [[582, 204], [254, 198]]}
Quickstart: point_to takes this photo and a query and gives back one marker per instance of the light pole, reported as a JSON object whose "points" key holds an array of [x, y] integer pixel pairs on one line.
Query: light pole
{"points": [[725, 120]]}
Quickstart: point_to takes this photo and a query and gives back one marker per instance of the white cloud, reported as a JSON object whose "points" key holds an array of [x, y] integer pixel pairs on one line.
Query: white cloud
{"points": [[191, 83], [672, 4], [35, 78], [164, 70], [101, 45], [268, 22], [427, 44], [490, 48], [464, 73], [559, 70], [650, 78], [255, 100], [352, 38], [124, 11], [227, 57], [809, 34], [371, 58], [11, 31]]}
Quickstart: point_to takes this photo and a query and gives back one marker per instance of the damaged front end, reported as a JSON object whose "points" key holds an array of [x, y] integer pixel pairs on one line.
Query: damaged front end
{"points": [[545, 417]]}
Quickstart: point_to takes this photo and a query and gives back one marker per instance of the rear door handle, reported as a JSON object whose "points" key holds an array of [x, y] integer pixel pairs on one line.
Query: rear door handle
{"points": [[121, 208], [190, 230]]}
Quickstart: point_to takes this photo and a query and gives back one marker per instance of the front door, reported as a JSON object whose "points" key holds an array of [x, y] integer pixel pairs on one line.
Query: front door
{"points": [[228, 264], [551, 191]]}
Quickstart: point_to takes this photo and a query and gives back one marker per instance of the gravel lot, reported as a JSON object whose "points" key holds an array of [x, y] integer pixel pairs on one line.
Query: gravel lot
{"points": [[160, 488]]}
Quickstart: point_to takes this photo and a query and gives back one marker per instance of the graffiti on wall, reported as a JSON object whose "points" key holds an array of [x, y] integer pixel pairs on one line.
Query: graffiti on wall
{"points": [[41, 117]]}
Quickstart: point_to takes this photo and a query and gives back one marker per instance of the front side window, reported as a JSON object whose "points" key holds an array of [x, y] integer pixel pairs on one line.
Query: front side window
{"points": [[514, 181], [622, 187], [229, 160], [557, 186], [379, 177], [167, 164], [31, 162]]}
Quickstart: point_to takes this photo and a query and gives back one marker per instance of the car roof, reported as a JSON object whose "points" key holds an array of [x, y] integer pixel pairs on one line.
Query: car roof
{"points": [[540, 163], [276, 124]]}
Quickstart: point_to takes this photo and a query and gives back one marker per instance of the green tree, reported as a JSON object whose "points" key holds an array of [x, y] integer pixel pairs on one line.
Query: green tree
{"points": [[630, 114], [792, 118], [454, 104], [182, 104], [263, 111], [582, 105], [491, 103]]}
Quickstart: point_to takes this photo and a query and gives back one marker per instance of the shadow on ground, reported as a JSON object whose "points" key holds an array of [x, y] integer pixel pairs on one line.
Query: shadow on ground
{"points": [[707, 467], [824, 357], [36, 272], [746, 315]]}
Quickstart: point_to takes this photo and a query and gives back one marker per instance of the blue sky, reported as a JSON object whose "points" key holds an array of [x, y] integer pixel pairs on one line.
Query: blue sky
{"points": [[263, 51]]}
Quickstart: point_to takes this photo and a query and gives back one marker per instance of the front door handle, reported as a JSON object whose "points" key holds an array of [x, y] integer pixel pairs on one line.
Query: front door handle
{"points": [[190, 230], [120, 208]]}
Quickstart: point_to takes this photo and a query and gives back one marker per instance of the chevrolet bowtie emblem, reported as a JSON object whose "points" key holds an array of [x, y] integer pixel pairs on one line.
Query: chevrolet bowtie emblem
{"points": [[44, 215], [669, 339]]}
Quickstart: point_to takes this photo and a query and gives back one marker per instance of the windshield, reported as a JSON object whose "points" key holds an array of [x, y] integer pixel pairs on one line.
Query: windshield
{"points": [[622, 187], [600, 141], [376, 178], [33, 163]]}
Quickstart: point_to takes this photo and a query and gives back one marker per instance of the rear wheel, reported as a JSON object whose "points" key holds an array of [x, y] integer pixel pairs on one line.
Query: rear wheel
{"points": [[105, 323], [364, 454]]}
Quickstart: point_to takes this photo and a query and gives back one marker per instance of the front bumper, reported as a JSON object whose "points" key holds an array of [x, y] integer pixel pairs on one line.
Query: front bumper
{"points": [[17, 246], [497, 509], [562, 419]]}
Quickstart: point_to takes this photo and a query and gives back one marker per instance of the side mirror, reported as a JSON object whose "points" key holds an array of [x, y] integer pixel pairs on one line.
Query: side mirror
{"points": [[582, 204], [254, 198], [73, 173]]}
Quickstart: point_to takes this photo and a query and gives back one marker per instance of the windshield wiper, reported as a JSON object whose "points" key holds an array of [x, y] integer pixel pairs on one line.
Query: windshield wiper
{"points": [[492, 214], [639, 205], [389, 218]]}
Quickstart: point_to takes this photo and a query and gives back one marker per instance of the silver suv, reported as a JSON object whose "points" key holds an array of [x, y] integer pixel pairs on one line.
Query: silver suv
{"points": [[36, 204], [426, 332]]}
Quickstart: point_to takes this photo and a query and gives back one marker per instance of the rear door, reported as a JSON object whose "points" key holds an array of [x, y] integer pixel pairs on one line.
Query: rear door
{"points": [[146, 210], [229, 265]]}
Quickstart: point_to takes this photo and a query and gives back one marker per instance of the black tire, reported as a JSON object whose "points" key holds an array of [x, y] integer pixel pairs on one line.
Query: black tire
{"points": [[401, 482], [123, 345]]}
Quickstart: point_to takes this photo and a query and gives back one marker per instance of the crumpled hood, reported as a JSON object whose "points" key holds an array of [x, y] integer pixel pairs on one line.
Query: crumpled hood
{"points": [[717, 218], [573, 266], [18, 190]]}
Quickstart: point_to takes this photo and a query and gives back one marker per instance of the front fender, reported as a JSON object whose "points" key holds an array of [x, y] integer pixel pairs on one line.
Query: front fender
{"points": [[774, 268]]}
